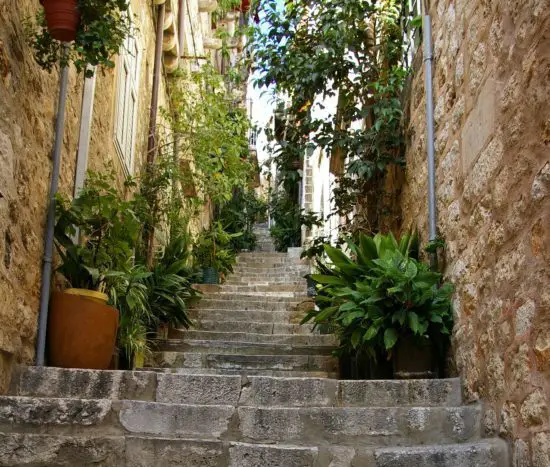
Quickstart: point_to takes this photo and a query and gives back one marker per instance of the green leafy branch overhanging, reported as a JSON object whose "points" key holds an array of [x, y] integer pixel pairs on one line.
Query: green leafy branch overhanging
{"points": [[348, 51]]}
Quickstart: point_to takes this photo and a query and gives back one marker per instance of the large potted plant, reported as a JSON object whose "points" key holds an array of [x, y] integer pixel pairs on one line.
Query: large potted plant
{"points": [[94, 234], [96, 30], [385, 303]]}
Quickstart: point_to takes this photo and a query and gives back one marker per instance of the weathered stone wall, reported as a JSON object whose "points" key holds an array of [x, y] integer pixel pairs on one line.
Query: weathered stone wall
{"points": [[28, 97], [492, 112]]}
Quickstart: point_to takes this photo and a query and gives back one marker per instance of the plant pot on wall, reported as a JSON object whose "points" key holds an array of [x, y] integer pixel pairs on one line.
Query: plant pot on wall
{"points": [[62, 18], [81, 332]]}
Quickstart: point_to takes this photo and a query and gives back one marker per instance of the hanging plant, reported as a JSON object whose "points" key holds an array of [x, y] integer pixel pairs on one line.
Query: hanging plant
{"points": [[62, 18], [93, 31]]}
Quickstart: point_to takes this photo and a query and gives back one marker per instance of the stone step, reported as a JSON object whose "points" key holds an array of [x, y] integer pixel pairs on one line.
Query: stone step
{"points": [[485, 453], [232, 302], [258, 316], [102, 416], [232, 325], [290, 339], [204, 389], [358, 427], [240, 348], [299, 292], [245, 373], [256, 280], [237, 362], [18, 449], [265, 290]]}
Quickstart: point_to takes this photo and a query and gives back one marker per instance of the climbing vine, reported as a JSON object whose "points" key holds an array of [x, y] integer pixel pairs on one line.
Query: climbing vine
{"points": [[343, 52]]}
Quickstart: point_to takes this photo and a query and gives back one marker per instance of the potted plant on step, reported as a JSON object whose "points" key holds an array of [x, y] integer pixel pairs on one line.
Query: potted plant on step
{"points": [[94, 234], [213, 253], [385, 303], [93, 31]]}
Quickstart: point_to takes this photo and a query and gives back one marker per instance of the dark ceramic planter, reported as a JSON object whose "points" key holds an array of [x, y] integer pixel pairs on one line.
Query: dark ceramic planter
{"points": [[414, 360]]}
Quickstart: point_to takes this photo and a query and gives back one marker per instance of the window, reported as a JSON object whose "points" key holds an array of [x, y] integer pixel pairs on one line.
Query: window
{"points": [[126, 101], [412, 33]]}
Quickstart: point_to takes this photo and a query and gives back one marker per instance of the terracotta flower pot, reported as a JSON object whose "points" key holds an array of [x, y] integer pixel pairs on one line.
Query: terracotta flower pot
{"points": [[62, 18], [81, 332]]}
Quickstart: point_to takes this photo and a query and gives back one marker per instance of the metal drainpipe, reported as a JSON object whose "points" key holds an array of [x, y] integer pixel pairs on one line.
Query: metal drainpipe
{"points": [[156, 84], [50, 222], [428, 61]]}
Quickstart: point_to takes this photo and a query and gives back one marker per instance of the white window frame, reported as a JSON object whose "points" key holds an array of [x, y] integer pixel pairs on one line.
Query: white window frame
{"points": [[126, 111]]}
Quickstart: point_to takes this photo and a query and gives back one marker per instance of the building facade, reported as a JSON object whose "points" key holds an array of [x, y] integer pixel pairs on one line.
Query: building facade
{"points": [[107, 125]]}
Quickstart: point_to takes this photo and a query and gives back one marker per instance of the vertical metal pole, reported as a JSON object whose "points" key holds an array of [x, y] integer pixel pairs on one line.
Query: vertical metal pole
{"points": [[50, 222], [428, 60], [156, 85]]}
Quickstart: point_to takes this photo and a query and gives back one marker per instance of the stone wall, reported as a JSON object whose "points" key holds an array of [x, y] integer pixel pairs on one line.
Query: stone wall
{"points": [[28, 97], [492, 112]]}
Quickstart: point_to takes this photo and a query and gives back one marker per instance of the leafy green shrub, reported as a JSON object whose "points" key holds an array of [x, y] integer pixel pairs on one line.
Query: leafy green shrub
{"points": [[240, 215], [289, 218], [213, 250], [379, 294], [108, 229]]}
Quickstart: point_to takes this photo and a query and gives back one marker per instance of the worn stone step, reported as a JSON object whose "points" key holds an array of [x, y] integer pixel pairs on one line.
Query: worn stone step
{"points": [[18, 449], [101, 416], [272, 289], [39, 450], [233, 325], [485, 453], [246, 373], [266, 290], [291, 339], [240, 348], [259, 316], [255, 280], [243, 362], [235, 390], [232, 303], [361, 426]]}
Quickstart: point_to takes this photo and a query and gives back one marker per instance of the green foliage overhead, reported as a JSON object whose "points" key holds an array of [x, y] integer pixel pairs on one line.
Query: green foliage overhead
{"points": [[103, 27], [347, 51], [379, 293], [213, 130]]}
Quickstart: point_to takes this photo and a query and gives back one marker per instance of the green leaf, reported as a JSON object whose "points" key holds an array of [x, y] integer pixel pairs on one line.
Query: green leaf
{"points": [[356, 338], [390, 338], [326, 313], [371, 333], [328, 280], [338, 257], [348, 306], [413, 322]]}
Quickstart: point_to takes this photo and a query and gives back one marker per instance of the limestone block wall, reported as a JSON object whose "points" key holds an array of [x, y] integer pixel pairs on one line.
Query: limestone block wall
{"points": [[492, 112], [28, 97]]}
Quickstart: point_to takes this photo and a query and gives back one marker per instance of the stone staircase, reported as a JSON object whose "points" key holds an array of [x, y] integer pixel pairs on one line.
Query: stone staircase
{"points": [[247, 387], [264, 240]]}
